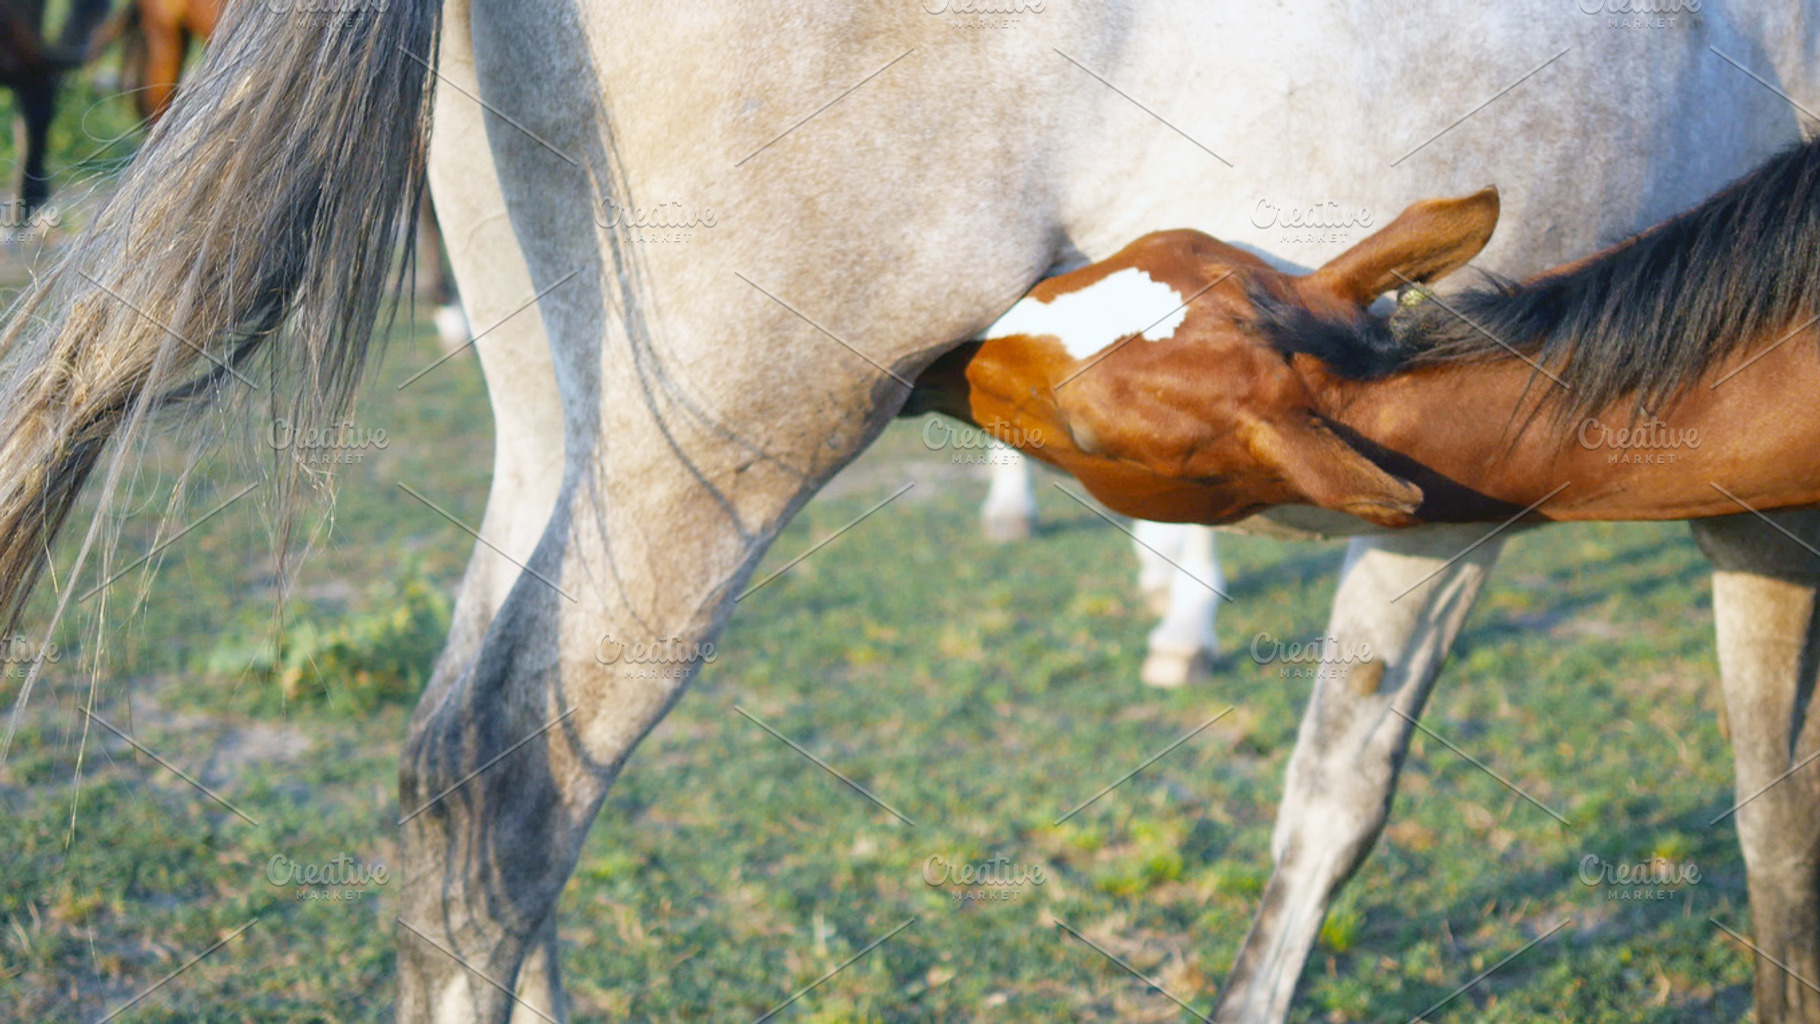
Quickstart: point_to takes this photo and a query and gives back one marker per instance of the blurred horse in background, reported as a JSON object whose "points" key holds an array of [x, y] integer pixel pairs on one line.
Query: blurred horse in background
{"points": [[155, 38], [33, 66]]}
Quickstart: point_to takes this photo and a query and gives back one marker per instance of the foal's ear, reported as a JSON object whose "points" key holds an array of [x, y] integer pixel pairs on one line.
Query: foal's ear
{"points": [[1426, 242], [1330, 473]]}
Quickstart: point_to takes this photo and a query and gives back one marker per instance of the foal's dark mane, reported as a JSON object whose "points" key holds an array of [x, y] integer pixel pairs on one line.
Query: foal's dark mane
{"points": [[1643, 320]]}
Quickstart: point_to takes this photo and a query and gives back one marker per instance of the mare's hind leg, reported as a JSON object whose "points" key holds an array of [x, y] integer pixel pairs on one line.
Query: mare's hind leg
{"points": [[521, 384], [514, 354], [512, 751], [1769, 653], [696, 415], [1350, 747]]}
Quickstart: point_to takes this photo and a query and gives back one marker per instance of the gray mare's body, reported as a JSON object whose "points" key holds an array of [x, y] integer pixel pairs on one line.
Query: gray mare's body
{"points": [[662, 418]]}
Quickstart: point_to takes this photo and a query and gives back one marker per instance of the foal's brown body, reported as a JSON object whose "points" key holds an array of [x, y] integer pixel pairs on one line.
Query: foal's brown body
{"points": [[1214, 421]]}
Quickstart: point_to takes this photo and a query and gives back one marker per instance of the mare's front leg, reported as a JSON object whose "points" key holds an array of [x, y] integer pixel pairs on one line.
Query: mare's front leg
{"points": [[1400, 595], [1765, 613]]}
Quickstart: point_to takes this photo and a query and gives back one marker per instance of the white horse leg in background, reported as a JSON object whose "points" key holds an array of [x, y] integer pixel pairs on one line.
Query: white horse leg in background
{"points": [[1178, 573], [1010, 510], [1179, 576]]}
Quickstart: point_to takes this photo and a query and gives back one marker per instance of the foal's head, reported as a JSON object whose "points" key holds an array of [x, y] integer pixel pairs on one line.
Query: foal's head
{"points": [[1224, 416]]}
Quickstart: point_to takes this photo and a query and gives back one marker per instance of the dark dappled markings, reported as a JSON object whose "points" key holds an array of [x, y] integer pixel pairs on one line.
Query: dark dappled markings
{"points": [[477, 972], [495, 759]]}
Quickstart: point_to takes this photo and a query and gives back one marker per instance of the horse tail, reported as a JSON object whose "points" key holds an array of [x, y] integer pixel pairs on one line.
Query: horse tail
{"points": [[244, 255]]}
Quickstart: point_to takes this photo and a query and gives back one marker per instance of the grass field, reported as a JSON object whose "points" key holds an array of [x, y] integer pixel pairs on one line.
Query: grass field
{"points": [[979, 690]]}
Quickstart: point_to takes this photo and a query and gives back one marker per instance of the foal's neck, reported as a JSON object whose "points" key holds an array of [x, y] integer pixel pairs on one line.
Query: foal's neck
{"points": [[1485, 439]]}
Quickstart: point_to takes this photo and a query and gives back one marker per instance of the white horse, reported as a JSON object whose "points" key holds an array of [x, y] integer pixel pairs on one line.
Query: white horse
{"points": [[1178, 573], [884, 179]]}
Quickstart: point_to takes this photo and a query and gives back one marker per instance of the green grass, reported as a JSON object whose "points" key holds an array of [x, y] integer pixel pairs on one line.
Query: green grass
{"points": [[979, 690]]}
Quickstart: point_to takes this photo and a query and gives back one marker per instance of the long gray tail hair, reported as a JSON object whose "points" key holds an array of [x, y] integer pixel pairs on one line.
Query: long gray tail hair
{"points": [[248, 246]]}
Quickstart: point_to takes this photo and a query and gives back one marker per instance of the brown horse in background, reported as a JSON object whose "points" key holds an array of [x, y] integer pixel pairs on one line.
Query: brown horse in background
{"points": [[33, 67], [155, 37]]}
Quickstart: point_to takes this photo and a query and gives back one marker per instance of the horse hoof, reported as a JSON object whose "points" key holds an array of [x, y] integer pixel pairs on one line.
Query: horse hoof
{"points": [[1005, 529], [1168, 670]]}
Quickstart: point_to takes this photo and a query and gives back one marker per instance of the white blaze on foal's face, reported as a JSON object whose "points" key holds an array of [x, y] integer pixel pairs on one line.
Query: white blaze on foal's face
{"points": [[1088, 320]]}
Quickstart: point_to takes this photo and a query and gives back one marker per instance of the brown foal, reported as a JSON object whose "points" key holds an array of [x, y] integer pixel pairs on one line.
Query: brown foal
{"points": [[1671, 376]]}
